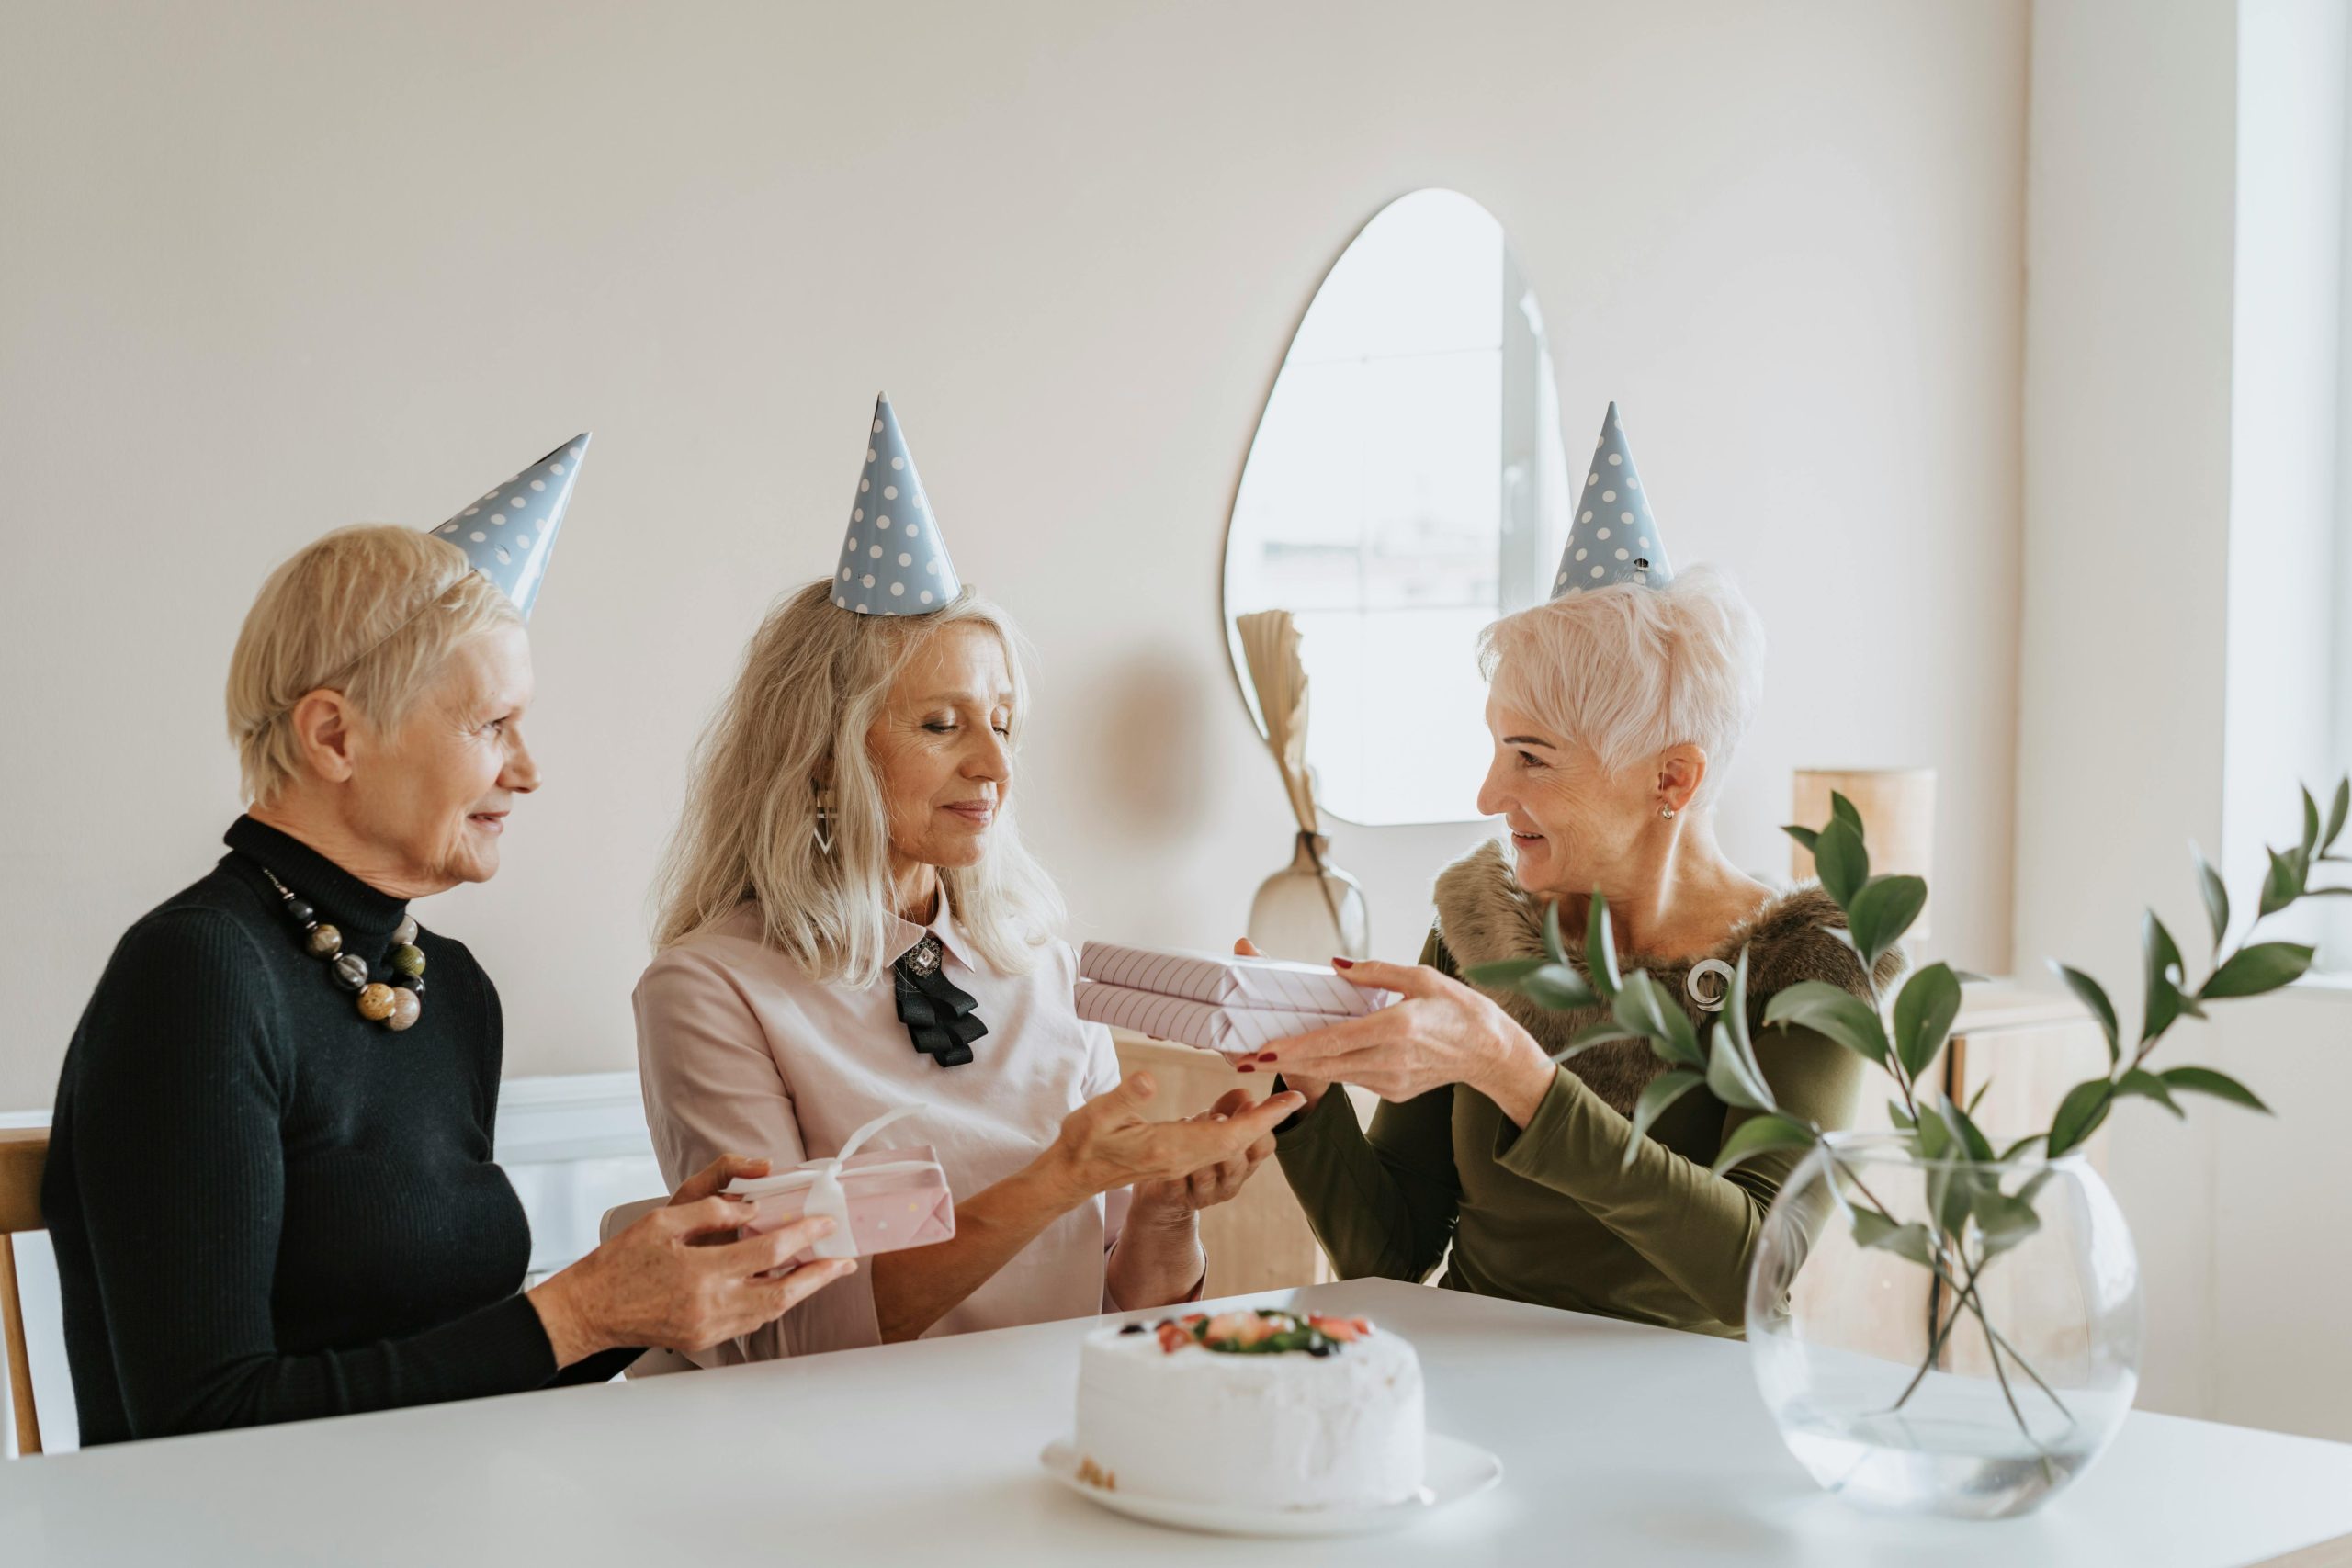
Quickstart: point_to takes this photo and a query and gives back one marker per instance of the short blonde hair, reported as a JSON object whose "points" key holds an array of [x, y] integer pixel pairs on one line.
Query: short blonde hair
{"points": [[813, 681], [372, 612], [1628, 671]]}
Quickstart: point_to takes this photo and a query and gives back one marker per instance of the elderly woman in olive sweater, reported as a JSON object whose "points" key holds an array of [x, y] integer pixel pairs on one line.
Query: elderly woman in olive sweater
{"points": [[1613, 713]]}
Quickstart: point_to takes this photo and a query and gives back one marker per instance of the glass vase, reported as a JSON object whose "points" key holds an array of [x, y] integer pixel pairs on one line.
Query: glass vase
{"points": [[1954, 1337], [1311, 910]]}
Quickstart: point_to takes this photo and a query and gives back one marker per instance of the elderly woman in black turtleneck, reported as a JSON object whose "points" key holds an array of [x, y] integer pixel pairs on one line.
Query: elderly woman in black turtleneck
{"points": [[270, 1184]]}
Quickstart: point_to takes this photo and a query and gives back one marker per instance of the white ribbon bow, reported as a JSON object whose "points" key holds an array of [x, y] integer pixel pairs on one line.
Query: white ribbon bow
{"points": [[826, 1195]]}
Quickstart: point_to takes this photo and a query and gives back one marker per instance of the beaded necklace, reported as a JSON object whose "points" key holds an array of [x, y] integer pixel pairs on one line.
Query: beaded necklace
{"points": [[396, 1005]]}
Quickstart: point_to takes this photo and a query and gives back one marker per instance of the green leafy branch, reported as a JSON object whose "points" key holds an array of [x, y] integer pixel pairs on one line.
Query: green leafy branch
{"points": [[2250, 969]]}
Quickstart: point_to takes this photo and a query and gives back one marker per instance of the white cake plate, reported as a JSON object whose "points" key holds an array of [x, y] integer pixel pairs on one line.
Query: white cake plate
{"points": [[1454, 1470]]}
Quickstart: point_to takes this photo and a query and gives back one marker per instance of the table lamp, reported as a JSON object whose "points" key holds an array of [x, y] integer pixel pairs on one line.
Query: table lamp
{"points": [[1898, 808]]}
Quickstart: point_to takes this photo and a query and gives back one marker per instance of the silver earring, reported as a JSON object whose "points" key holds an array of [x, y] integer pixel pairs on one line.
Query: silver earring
{"points": [[824, 830], [1667, 812]]}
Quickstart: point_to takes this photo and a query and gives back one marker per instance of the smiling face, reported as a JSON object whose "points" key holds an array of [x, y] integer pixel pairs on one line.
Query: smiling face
{"points": [[1574, 825], [431, 795], [941, 746]]}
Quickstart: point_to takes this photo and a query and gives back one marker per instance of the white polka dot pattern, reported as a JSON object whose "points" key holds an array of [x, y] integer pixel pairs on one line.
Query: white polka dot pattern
{"points": [[513, 551], [899, 589], [1629, 510]]}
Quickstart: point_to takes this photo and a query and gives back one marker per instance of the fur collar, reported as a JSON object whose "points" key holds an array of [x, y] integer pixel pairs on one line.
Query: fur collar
{"points": [[1484, 916]]}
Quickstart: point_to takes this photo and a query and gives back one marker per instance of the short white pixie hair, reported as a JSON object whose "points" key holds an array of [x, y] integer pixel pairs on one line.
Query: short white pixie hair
{"points": [[1628, 671], [372, 612]]}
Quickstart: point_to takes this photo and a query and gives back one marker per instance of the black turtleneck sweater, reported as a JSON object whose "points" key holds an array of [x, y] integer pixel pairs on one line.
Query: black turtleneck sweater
{"points": [[264, 1207]]}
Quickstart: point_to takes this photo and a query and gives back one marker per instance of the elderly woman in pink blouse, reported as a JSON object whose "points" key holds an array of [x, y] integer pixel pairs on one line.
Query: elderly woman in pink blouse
{"points": [[850, 925]]}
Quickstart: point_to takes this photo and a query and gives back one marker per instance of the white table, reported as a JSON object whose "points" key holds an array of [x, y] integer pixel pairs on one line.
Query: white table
{"points": [[1621, 1444]]}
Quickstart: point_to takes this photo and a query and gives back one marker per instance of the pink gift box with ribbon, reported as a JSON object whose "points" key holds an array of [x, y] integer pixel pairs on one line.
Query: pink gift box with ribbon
{"points": [[879, 1200]]}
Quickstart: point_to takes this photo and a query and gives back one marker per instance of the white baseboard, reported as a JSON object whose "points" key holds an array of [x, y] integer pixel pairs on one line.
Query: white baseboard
{"points": [[574, 1145], [571, 1116], [565, 1116]]}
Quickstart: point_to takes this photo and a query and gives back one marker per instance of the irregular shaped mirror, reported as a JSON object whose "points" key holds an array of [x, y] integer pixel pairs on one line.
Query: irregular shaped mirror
{"points": [[1406, 486]]}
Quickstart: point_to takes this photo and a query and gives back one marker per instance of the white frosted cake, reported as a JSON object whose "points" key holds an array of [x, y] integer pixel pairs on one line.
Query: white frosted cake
{"points": [[1258, 1409]]}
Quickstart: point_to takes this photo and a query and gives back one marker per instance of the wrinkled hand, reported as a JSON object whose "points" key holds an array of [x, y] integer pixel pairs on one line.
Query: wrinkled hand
{"points": [[1439, 1033], [680, 1278], [711, 1181], [1107, 1144], [1312, 1088], [1211, 1184]]}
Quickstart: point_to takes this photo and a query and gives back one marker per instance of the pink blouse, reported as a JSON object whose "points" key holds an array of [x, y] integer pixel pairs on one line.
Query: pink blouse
{"points": [[740, 1052]]}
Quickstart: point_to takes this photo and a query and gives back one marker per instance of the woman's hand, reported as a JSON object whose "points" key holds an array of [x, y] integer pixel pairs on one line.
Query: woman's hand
{"points": [[1184, 1196], [1439, 1033], [1107, 1144], [713, 1179], [1310, 1090], [1158, 1261], [680, 1278]]}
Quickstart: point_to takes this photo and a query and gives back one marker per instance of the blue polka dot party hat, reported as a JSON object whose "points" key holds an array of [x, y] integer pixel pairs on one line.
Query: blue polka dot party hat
{"points": [[894, 562], [509, 533], [1614, 539]]}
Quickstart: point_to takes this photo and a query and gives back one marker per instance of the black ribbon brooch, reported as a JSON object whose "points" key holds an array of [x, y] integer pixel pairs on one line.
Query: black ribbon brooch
{"points": [[937, 1013]]}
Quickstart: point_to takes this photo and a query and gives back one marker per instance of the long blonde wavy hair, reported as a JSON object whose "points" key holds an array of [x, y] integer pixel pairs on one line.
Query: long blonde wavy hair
{"points": [[813, 680]]}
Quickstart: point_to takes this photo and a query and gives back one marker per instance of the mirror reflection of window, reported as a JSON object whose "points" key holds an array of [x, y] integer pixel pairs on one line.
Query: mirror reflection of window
{"points": [[1406, 486]]}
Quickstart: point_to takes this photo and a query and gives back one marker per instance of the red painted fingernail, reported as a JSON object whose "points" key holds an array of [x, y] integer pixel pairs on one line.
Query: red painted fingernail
{"points": [[1343, 963], [1243, 1067], [1265, 1056]]}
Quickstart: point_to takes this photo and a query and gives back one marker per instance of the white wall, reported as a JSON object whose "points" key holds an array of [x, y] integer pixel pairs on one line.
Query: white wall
{"points": [[2181, 327], [2287, 335], [274, 267], [2282, 1195], [2127, 472]]}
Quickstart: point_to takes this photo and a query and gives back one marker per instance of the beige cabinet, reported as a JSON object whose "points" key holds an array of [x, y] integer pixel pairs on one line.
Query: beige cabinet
{"points": [[2029, 1046]]}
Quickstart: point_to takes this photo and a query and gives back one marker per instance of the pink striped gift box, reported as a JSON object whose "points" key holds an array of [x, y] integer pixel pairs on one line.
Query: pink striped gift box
{"points": [[1230, 1030], [1228, 981]]}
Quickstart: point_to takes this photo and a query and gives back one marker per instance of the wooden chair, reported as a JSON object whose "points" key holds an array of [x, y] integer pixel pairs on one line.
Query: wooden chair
{"points": [[23, 1154]]}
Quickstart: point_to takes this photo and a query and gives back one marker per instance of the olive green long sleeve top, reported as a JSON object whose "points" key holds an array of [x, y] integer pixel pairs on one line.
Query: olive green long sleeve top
{"points": [[1550, 1212]]}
